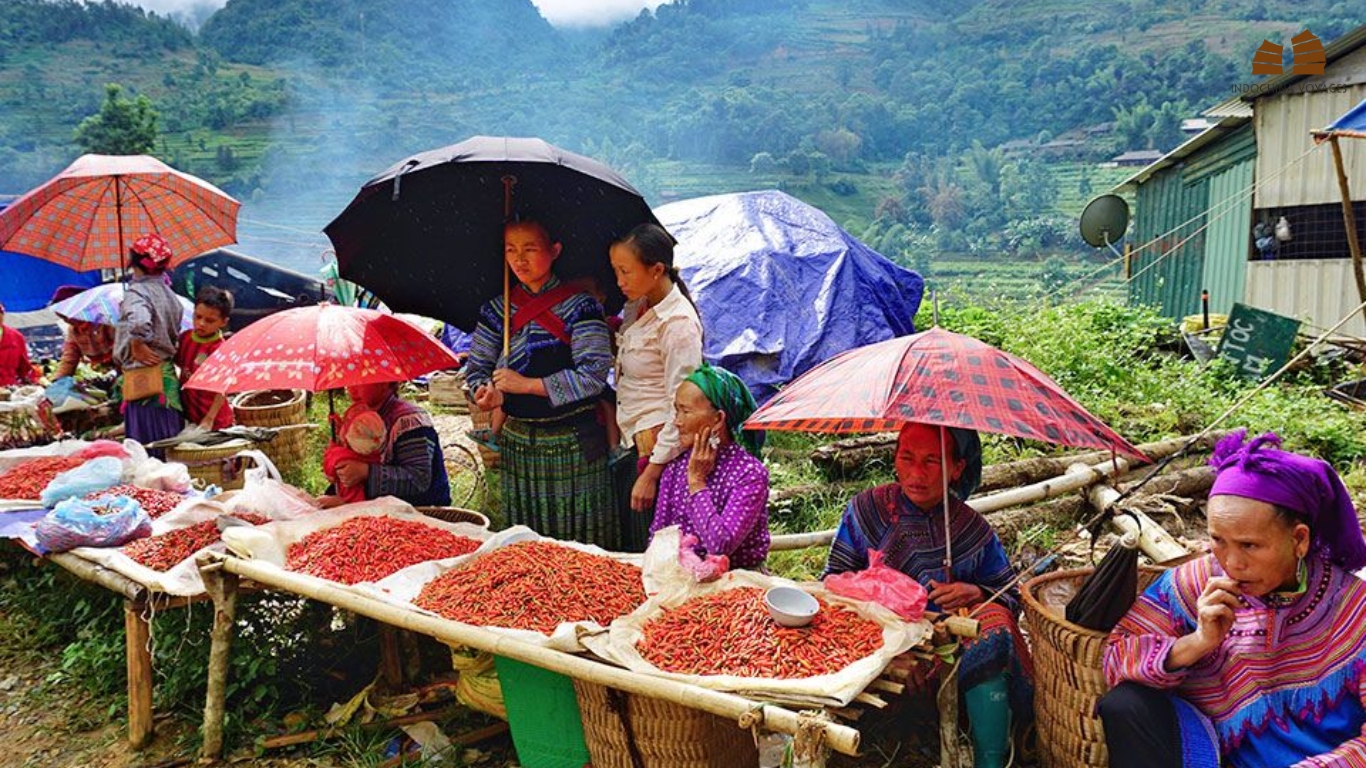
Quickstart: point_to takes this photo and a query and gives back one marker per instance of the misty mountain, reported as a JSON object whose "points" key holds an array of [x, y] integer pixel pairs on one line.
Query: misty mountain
{"points": [[387, 40]]}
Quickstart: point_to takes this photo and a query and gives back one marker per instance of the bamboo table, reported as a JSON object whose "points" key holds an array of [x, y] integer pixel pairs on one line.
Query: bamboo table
{"points": [[138, 603], [222, 573]]}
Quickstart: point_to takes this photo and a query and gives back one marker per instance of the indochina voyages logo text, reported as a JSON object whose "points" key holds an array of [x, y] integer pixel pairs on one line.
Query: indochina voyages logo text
{"points": [[1307, 58]]}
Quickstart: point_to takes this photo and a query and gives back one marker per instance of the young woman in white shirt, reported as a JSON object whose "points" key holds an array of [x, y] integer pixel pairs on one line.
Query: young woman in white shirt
{"points": [[659, 344]]}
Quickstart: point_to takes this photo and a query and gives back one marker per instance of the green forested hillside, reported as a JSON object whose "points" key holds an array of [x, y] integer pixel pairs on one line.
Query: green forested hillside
{"points": [[892, 115]]}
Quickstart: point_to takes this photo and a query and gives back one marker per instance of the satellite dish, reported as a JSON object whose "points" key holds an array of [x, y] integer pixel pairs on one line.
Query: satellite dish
{"points": [[1104, 221]]}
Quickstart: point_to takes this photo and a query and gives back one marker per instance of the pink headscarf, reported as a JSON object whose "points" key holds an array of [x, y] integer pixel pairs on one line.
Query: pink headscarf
{"points": [[1307, 486]]}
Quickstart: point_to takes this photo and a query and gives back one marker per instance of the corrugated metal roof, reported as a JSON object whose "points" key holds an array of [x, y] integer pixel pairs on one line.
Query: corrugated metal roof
{"points": [[1233, 107], [1219, 130]]}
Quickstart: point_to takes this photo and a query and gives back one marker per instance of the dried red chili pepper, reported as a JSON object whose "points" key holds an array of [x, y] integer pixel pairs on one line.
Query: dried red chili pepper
{"points": [[165, 551], [155, 503], [371, 548], [27, 480], [535, 585], [731, 633]]}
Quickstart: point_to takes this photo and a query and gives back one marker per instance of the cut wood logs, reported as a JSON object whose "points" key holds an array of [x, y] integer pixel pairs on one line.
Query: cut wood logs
{"points": [[1066, 512]]}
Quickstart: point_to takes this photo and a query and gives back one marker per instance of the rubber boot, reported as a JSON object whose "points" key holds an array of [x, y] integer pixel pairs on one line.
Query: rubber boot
{"points": [[988, 706]]}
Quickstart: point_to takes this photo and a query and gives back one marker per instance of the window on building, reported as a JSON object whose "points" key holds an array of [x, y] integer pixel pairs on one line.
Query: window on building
{"points": [[1316, 232]]}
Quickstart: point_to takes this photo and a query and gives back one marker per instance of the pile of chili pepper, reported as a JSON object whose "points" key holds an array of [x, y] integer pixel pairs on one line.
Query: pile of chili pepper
{"points": [[155, 503], [731, 633], [27, 480], [371, 548], [165, 551], [535, 585]]}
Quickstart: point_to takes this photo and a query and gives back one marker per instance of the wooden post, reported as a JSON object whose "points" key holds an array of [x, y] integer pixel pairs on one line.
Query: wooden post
{"points": [[390, 659], [947, 703], [222, 587], [139, 655], [1349, 220]]}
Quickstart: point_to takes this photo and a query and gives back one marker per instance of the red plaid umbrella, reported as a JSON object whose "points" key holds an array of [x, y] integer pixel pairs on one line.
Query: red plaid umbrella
{"points": [[86, 216], [935, 377], [319, 348]]}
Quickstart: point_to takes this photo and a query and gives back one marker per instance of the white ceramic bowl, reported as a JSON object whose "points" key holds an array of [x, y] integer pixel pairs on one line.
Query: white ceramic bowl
{"points": [[791, 607]]}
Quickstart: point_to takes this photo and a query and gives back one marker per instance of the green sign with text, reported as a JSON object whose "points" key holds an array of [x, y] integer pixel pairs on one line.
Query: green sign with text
{"points": [[1257, 342]]}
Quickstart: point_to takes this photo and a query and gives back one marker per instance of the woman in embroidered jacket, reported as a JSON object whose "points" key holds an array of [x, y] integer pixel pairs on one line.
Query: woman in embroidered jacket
{"points": [[553, 445], [411, 465], [1255, 654], [905, 521]]}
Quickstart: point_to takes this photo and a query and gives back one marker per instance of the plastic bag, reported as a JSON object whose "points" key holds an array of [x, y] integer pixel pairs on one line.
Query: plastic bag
{"points": [[703, 569], [111, 521], [102, 448], [886, 586], [145, 471], [659, 566], [264, 493], [478, 687], [94, 475]]}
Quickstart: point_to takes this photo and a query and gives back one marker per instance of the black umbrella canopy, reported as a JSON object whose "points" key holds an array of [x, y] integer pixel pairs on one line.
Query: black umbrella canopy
{"points": [[426, 236]]}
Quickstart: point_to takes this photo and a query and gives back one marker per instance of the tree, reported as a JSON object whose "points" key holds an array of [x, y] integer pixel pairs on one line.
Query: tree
{"points": [[121, 127]]}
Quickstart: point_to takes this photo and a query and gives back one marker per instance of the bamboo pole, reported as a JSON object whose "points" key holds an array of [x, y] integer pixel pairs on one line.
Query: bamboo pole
{"points": [[841, 738], [139, 658], [222, 587], [1153, 539], [1349, 220], [98, 574], [1066, 483]]}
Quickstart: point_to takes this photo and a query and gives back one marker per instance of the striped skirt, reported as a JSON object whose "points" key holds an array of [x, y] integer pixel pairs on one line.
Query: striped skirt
{"points": [[555, 480]]}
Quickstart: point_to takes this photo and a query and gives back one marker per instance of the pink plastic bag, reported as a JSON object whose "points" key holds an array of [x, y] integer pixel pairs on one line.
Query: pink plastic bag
{"points": [[883, 585], [703, 569]]}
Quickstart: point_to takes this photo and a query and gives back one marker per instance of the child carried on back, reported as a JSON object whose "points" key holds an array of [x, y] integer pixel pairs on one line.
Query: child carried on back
{"points": [[361, 436]]}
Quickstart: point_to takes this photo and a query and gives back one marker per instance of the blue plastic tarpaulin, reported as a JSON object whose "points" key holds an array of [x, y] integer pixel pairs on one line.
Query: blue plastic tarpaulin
{"points": [[27, 282], [780, 287], [1353, 123]]}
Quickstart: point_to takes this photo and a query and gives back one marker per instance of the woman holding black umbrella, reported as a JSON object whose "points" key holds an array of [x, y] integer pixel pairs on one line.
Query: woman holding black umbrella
{"points": [[553, 445]]}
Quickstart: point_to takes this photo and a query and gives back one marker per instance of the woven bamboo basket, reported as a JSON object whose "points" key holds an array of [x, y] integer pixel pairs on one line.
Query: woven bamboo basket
{"points": [[1068, 678], [667, 735], [482, 419], [448, 389], [213, 464], [286, 409]]}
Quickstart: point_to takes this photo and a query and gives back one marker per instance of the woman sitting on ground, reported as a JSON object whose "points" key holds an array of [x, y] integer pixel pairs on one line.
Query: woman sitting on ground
{"points": [[717, 489], [905, 521], [1255, 654]]}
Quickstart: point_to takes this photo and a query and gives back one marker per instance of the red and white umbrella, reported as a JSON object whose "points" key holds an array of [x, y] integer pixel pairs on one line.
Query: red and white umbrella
{"points": [[319, 348]]}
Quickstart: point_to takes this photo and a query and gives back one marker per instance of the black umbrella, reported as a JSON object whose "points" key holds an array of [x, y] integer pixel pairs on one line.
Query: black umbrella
{"points": [[1110, 590], [426, 236]]}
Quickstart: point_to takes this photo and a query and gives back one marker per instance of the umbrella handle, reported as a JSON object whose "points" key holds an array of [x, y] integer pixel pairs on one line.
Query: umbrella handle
{"points": [[508, 182]]}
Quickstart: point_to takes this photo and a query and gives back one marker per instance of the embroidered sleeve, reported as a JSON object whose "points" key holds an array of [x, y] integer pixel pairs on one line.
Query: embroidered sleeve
{"points": [[485, 347], [849, 550], [1138, 646], [409, 470]]}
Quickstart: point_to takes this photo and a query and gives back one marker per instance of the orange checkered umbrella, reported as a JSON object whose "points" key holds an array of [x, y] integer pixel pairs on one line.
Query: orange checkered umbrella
{"points": [[86, 216], [935, 377]]}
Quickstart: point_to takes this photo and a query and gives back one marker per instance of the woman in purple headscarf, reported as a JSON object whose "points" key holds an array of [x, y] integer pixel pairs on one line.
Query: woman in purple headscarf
{"points": [[1254, 655]]}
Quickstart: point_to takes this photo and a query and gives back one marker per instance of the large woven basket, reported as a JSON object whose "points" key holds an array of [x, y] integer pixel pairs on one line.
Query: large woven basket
{"points": [[1068, 678], [213, 464], [667, 735], [284, 409], [448, 389]]}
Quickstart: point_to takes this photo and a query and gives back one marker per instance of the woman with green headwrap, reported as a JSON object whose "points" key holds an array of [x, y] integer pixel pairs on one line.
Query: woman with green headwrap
{"points": [[717, 489]]}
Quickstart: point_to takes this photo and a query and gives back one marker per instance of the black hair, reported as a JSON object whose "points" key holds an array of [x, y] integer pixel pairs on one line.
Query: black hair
{"points": [[213, 297], [1291, 518], [652, 244]]}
